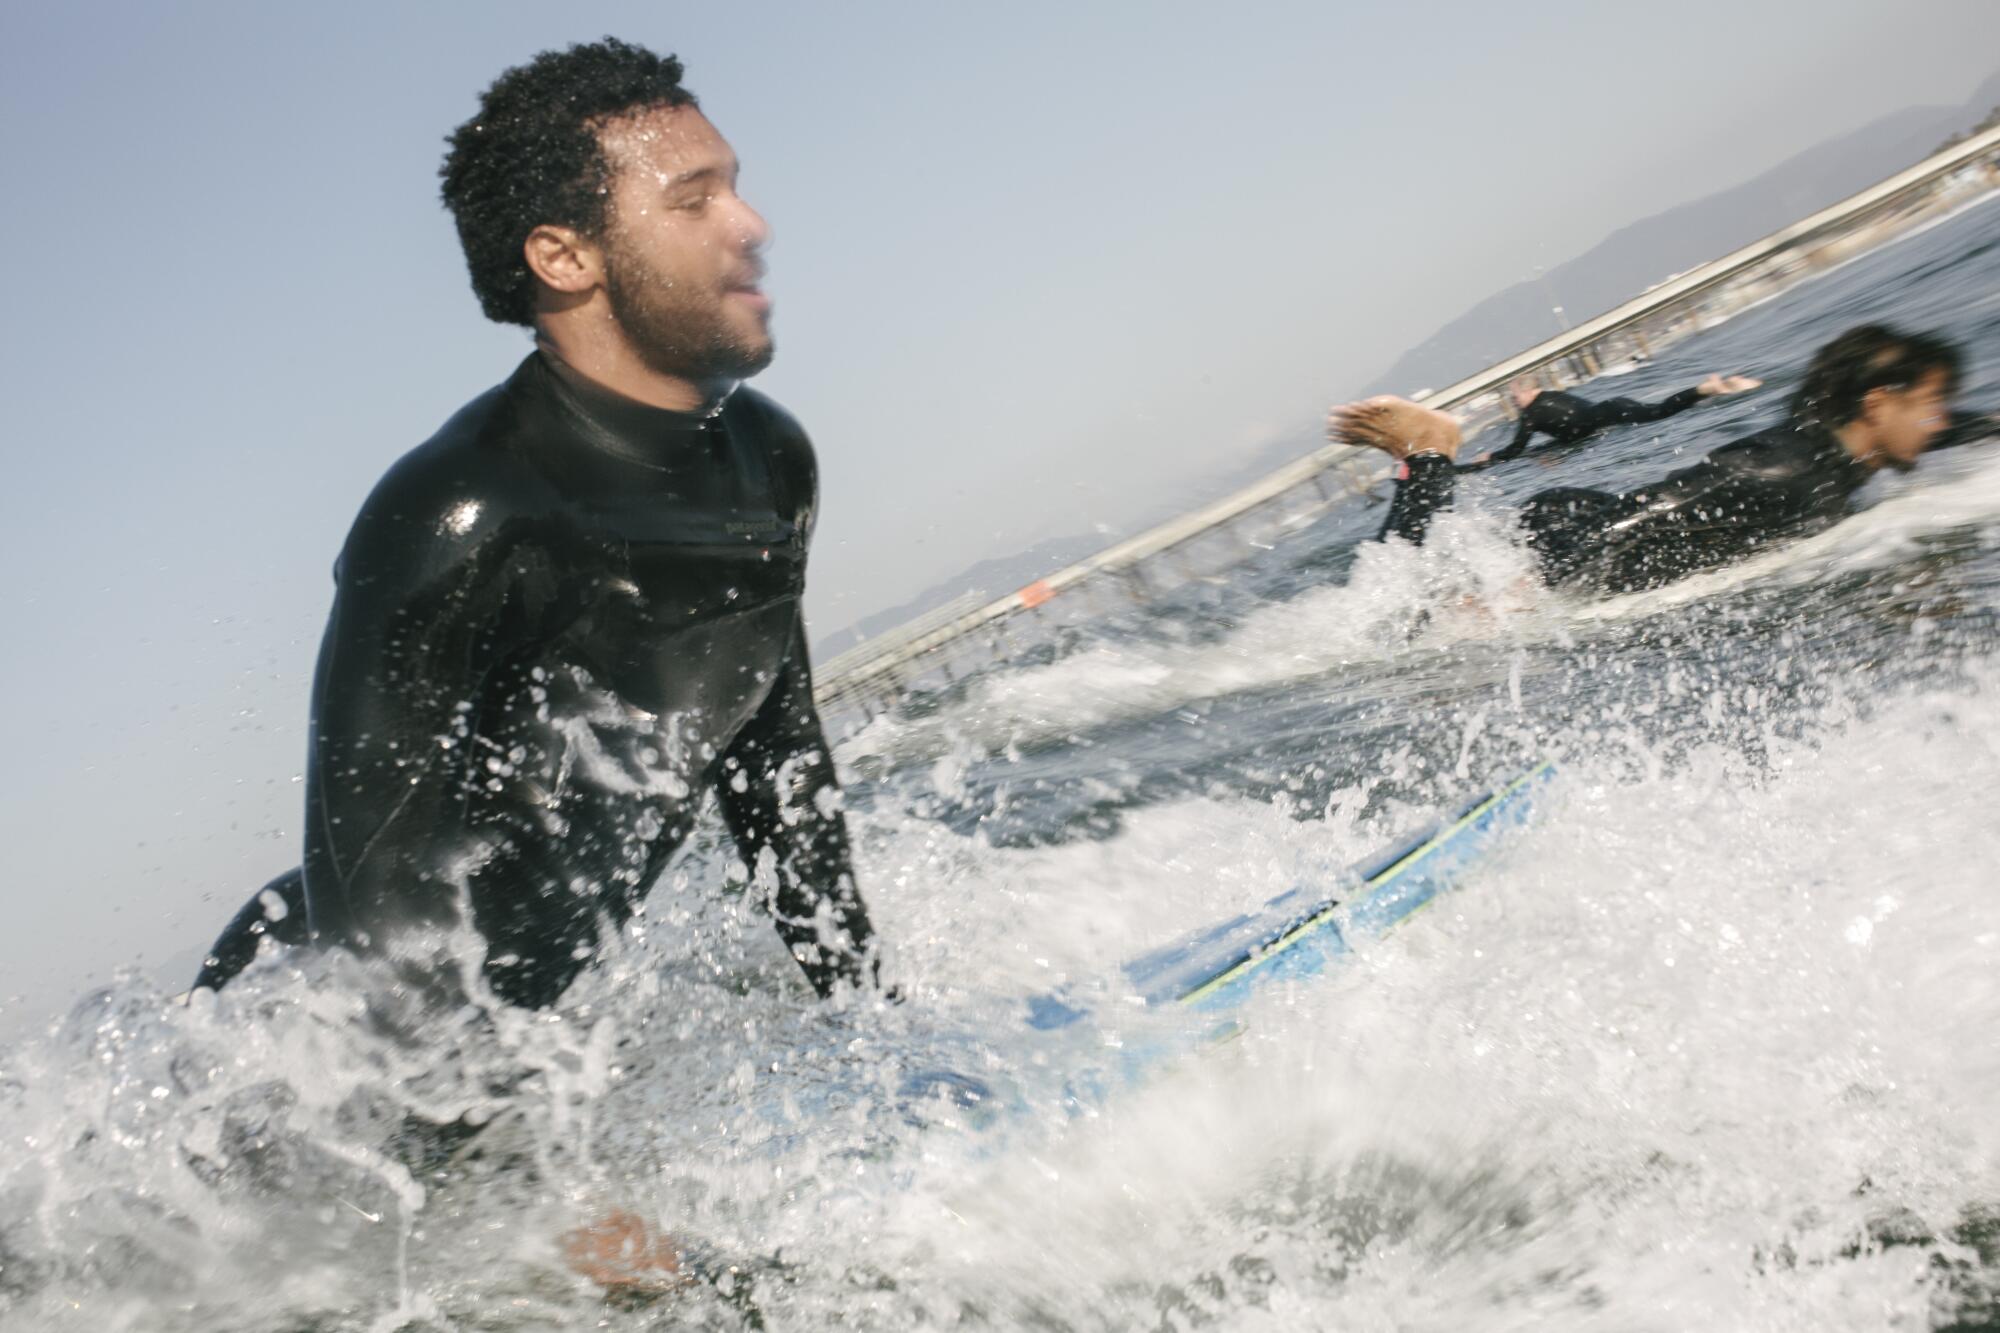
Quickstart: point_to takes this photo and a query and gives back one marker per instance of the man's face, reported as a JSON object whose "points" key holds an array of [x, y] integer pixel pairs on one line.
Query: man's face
{"points": [[1907, 420], [681, 249]]}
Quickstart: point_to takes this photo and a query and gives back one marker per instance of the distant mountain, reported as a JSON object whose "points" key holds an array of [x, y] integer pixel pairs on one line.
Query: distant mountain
{"points": [[1646, 253], [1991, 120], [1634, 258], [1614, 271]]}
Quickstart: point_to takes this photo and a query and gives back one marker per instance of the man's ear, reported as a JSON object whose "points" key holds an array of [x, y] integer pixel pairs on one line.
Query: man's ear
{"points": [[563, 260]]}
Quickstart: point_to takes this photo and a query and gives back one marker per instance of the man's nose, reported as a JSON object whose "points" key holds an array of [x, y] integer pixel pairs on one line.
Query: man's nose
{"points": [[750, 224]]}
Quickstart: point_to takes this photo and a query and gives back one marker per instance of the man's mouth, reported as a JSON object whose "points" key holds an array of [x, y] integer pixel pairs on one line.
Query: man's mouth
{"points": [[748, 287]]}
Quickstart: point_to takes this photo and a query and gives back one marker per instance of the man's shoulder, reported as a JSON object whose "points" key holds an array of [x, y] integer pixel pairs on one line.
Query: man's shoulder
{"points": [[462, 481], [1783, 447], [758, 411], [790, 447]]}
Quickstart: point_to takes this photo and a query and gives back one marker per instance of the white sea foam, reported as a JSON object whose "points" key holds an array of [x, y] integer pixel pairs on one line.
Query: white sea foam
{"points": [[1469, 584], [1706, 1044], [1648, 1074], [1689, 1036]]}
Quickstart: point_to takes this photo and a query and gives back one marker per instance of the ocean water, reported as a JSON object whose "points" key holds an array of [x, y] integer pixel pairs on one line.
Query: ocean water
{"points": [[1713, 1040]]}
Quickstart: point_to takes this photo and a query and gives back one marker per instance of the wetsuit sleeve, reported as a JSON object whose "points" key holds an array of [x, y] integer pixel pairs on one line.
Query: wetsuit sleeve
{"points": [[1672, 405], [1427, 486], [1524, 430], [276, 911], [421, 616], [778, 791], [1525, 427]]}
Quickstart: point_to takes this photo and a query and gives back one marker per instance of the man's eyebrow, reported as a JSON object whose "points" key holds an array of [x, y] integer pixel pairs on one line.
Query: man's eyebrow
{"points": [[701, 173]]}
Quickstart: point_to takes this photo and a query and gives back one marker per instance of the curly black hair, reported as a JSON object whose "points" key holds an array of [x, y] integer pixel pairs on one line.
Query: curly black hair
{"points": [[1869, 357], [531, 157]]}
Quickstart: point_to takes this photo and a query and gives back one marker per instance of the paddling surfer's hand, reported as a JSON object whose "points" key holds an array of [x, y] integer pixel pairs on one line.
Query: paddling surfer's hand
{"points": [[1716, 386], [1396, 426], [621, 1251]]}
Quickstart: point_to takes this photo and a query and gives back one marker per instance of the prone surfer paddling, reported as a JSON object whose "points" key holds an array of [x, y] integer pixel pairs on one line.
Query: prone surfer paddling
{"points": [[1872, 398], [1568, 419], [576, 609]]}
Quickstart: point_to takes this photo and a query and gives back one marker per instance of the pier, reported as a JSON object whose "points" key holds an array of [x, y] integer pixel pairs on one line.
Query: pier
{"points": [[968, 632]]}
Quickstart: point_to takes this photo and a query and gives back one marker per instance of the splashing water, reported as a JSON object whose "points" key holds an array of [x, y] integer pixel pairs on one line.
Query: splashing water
{"points": [[1708, 1042]]}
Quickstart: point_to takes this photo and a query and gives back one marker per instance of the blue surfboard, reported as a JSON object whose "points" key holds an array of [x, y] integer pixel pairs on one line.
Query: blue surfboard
{"points": [[986, 1086], [1299, 932], [1068, 1068]]}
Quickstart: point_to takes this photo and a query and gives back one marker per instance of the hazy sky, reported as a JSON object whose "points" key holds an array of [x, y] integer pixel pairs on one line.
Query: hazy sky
{"points": [[1036, 266]]}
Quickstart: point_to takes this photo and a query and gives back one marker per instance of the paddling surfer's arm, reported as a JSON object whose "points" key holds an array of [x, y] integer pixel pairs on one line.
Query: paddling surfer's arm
{"points": [[1524, 431], [778, 791], [1672, 405]]}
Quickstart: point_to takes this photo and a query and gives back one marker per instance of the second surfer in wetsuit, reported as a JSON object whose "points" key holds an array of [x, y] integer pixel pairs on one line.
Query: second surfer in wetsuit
{"points": [[1568, 419], [1872, 398], [575, 611]]}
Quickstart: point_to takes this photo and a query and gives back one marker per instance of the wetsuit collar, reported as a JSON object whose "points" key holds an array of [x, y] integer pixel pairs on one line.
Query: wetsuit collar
{"points": [[624, 426]]}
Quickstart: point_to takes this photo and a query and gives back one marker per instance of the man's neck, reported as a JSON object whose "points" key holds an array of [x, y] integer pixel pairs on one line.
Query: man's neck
{"points": [[614, 367]]}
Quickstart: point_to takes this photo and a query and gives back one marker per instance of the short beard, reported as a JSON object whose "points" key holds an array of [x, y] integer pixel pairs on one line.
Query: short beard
{"points": [[673, 333]]}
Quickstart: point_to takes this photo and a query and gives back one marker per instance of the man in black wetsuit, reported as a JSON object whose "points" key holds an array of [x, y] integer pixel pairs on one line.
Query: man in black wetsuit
{"points": [[1872, 398], [1568, 419], [576, 609]]}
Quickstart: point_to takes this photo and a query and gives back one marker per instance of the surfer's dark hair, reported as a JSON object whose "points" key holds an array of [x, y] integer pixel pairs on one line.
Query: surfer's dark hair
{"points": [[1873, 356], [531, 157]]}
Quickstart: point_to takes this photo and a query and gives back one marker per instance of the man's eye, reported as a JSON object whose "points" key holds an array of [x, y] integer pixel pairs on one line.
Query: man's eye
{"points": [[694, 205]]}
